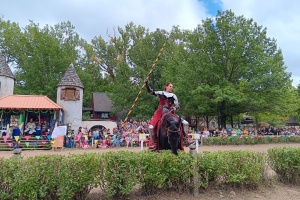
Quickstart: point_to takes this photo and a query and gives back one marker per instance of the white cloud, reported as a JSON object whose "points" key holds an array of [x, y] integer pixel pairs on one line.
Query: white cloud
{"points": [[97, 17], [93, 17], [281, 18]]}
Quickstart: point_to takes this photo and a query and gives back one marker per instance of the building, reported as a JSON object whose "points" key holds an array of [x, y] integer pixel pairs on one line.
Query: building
{"points": [[66, 110], [7, 78], [70, 97]]}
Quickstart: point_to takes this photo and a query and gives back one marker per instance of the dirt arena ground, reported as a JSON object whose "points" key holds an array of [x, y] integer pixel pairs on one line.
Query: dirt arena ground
{"points": [[274, 190]]}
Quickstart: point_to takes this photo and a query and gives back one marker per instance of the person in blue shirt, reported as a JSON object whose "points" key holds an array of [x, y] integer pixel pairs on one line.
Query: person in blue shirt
{"points": [[16, 131]]}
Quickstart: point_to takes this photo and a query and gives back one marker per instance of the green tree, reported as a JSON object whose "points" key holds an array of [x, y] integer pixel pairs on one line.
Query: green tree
{"points": [[127, 59], [40, 56], [235, 67]]}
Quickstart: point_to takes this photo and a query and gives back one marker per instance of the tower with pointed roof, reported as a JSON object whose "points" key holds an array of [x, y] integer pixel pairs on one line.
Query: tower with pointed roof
{"points": [[7, 78], [70, 98]]}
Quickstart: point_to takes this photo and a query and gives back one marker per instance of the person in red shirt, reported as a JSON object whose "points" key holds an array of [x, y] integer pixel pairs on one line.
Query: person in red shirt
{"points": [[167, 101]]}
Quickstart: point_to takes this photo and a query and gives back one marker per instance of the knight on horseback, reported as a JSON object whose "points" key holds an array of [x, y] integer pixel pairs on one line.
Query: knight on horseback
{"points": [[167, 101]]}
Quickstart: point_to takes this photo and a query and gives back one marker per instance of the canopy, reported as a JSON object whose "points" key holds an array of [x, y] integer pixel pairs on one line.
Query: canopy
{"points": [[31, 102]]}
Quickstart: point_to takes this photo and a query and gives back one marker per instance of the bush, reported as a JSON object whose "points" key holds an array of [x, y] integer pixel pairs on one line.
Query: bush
{"points": [[244, 168], [250, 140], [116, 173], [178, 170], [120, 173], [210, 166], [7, 177], [286, 163], [79, 173], [237, 168], [150, 176]]}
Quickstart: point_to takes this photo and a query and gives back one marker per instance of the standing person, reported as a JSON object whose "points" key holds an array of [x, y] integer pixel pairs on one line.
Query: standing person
{"points": [[167, 101]]}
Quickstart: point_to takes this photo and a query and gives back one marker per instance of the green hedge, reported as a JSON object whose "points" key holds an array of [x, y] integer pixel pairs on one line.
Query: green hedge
{"points": [[237, 168], [248, 140], [118, 173], [285, 161]]}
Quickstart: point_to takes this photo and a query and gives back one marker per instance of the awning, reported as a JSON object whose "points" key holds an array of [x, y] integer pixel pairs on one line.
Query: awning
{"points": [[30, 102]]}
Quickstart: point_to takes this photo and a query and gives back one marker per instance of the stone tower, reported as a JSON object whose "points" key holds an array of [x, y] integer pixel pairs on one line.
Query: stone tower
{"points": [[7, 78], [70, 98]]}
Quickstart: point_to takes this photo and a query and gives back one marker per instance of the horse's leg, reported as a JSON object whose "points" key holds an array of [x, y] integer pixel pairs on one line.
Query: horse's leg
{"points": [[174, 141], [163, 139], [174, 132]]}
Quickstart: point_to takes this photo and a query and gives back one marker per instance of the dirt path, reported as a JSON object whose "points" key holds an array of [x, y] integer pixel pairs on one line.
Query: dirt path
{"points": [[259, 148]]}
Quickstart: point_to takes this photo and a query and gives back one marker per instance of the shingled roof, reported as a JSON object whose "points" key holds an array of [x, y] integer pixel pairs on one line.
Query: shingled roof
{"points": [[292, 121], [70, 78], [101, 102], [4, 68]]}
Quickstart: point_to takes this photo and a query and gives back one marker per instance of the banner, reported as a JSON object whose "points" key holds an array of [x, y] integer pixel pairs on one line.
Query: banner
{"points": [[27, 137], [34, 144], [27, 144], [5, 138], [38, 137], [17, 138], [59, 131], [22, 118]]}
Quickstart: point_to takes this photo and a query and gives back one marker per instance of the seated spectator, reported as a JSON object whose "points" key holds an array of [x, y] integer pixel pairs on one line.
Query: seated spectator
{"points": [[205, 133], [30, 127], [78, 140], [238, 131], [233, 132], [108, 140], [245, 132]]}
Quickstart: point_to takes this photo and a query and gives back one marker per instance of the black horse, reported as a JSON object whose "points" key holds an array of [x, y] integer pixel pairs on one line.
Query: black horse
{"points": [[170, 133]]}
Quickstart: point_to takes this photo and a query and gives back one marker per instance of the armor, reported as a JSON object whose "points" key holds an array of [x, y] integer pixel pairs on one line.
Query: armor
{"points": [[167, 100], [186, 132]]}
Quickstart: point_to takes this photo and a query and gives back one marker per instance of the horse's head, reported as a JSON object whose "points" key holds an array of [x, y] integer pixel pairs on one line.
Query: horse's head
{"points": [[174, 133]]}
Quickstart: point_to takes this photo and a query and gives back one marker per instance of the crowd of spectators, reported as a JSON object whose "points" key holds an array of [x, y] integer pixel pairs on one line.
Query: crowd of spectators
{"points": [[249, 131], [127, 134]]}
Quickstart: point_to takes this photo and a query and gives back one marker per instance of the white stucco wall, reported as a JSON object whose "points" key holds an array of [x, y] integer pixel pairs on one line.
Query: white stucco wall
{"points": [[72, 113], [107, 124], [7, 86]]}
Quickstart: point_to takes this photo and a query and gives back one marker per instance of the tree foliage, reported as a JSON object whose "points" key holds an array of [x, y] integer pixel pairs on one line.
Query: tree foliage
{"points": [[238, 68], [225, 67]]}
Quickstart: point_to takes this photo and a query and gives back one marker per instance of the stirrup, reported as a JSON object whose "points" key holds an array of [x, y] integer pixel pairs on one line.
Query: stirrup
{"points": [[153, 147], [187, 143]]}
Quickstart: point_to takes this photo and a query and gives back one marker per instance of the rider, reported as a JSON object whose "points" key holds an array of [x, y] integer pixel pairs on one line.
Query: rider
{"points": [[167, 101]]}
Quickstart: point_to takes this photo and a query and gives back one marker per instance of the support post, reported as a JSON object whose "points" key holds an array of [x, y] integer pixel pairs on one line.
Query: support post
{"points": [[193, 152]]}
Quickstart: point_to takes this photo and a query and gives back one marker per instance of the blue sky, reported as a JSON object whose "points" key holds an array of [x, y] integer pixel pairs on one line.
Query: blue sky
{"points": [[99, 17], [212, 5]]}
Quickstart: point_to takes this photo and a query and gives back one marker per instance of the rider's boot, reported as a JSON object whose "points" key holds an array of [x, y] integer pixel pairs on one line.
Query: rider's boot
{"points": [[153, 138], [186, 132]]}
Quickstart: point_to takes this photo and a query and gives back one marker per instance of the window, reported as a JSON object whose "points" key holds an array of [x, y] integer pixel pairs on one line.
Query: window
{"points": [[70, 94], [103, 115]]}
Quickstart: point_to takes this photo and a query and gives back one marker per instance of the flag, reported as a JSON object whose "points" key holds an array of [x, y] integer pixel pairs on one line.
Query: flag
{"points": [[27, 144]]}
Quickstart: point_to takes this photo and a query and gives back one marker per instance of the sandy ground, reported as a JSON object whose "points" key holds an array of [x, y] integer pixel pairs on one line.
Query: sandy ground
{"points": [[66, 151], [273, 190]]}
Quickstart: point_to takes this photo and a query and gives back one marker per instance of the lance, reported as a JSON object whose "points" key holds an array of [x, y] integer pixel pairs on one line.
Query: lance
{"points": [[147, 78]]}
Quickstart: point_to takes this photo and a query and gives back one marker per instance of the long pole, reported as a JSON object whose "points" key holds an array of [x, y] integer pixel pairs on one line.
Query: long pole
{"points": [[147, 78]]}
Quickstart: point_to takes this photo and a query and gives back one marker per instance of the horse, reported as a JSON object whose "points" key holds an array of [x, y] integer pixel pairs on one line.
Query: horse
{"points": [[170, 133]]}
